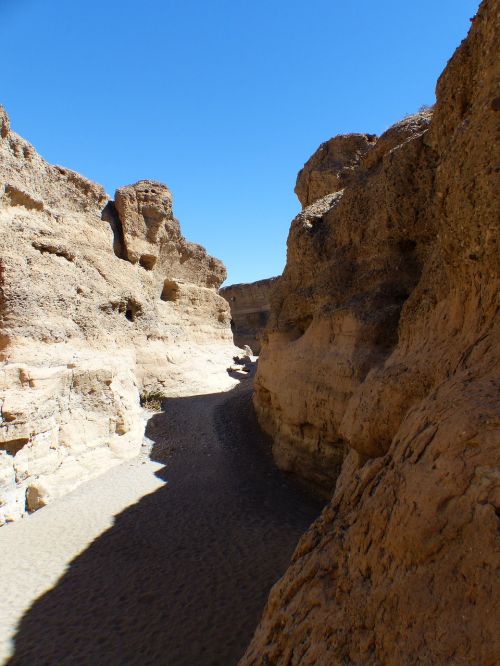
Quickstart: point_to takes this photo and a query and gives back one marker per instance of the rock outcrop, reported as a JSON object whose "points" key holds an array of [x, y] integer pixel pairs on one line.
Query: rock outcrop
{"points": [[331, 167], [383, 347], [99, 301], [250, 304], [354, 257]]}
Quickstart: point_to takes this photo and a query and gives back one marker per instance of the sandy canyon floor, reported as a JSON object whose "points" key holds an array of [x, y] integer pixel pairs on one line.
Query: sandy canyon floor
{"points": [[167, 559]]}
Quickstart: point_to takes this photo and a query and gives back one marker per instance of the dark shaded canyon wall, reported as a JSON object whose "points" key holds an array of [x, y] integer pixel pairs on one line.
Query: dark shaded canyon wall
{"points": [[383, 345], [250, 307]]}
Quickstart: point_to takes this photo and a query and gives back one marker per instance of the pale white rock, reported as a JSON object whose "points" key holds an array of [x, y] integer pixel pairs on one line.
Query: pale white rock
{"points": [[98, 304]]}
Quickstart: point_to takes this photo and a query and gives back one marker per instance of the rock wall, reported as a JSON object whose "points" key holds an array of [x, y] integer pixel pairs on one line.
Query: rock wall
{"points": [[99, 301], [250, 306], [354, 257], [383, 346]]}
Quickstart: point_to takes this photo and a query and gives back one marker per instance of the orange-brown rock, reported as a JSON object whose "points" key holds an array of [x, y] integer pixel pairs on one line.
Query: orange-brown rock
{"points": [[152, 234], [354, 257], [331, 166], [250, 304], [384, 342]]}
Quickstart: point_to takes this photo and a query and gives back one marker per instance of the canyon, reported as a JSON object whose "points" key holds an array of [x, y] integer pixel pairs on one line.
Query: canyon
{"points": [[373, 405]]}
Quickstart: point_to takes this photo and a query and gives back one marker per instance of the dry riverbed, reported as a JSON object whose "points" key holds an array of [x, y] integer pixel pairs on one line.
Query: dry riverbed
{"points": [[164, 560]]}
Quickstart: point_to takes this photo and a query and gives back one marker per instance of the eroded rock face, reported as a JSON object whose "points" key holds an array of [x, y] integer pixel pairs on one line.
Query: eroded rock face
{"points": [[353, 259], [98, 302], [331, 166], [250, 305], [384, 343], [145, 212]]}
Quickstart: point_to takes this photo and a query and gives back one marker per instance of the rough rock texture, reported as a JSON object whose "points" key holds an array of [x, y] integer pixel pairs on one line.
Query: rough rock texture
{"points": [[354, 257], [331, 166], [250, 306], [384, 340], [83, 330]]}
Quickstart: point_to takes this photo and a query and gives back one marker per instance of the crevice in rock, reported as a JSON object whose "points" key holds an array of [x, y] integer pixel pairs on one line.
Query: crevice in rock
{"points": [[393, 296], [110, 215], [299, 327], [128, 307], [130, 313], [13, 446], [407, 245]]}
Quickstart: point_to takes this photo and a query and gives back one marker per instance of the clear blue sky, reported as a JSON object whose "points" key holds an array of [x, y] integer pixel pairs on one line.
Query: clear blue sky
{"points": [[223, 100]]}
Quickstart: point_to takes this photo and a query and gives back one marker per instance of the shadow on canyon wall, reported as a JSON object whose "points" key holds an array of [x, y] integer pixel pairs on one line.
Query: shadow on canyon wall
{"points": [[183, 575]]}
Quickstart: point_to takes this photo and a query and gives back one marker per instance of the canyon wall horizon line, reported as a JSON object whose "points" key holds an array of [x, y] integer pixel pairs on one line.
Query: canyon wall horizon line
{"points": [[379, 379]]}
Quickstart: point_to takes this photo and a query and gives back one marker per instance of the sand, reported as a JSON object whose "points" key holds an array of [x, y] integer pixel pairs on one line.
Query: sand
{"points": [[37, 551], [167, 559]]}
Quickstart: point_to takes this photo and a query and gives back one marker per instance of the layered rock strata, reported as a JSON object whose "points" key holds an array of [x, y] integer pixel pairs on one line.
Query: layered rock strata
{"points": [[383, 347], [250, 305], [100, 301]]}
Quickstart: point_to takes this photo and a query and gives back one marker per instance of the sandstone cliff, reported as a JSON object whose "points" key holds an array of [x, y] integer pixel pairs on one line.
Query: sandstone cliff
{"points": [[250, 306], [354, 256], [99, 300], [383, 348]]}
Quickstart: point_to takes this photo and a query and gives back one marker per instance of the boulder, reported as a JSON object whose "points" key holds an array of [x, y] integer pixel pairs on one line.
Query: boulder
{"points": [[145, 213]]}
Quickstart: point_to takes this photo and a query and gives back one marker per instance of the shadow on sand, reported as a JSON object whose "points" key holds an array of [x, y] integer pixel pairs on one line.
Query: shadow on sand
{"points": [[183, 575]]}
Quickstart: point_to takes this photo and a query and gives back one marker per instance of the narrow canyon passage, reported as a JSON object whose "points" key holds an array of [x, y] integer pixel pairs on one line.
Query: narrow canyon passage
{"points": [[183, 575]]}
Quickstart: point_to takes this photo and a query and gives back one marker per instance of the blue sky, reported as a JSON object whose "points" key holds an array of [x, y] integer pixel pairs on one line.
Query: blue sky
{"points": [[223, 100]]}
